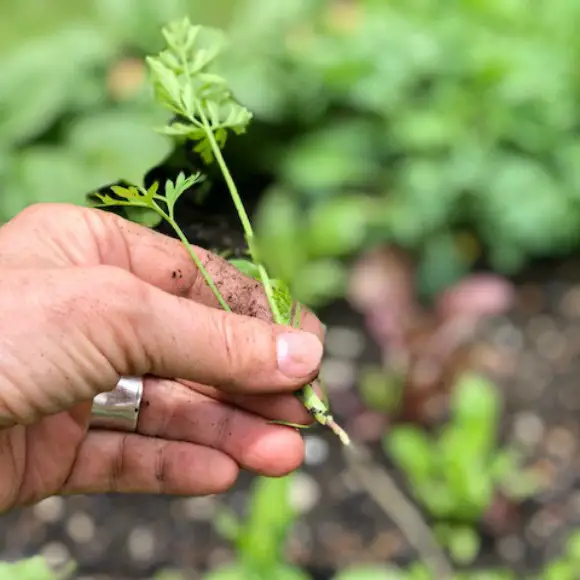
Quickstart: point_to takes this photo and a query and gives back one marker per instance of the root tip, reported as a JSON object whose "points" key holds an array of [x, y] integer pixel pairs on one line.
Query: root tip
{"points": [[339, 432]]}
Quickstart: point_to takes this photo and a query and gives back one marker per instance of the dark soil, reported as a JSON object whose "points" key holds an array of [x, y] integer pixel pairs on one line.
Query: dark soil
{"points": [[538, 368]]}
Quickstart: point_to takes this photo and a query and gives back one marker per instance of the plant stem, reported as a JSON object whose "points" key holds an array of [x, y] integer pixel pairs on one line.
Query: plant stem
{"points": [[381, 487], [246, 225], [306, 394], [196, 260]]}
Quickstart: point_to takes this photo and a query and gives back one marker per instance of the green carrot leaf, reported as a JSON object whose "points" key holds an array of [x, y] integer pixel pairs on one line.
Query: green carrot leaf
{"points": [[174, 191], [184, 83]]}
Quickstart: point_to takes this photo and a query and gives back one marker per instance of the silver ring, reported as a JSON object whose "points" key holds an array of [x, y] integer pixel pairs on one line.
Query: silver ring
{"points": [[118, 410]]}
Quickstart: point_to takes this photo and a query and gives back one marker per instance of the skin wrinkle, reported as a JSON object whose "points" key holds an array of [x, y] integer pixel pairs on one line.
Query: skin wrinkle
{"points": [[226, 330], [195, 279], [117, 466], [11, 493], [159, 357], [124, 326], [160, 470], [39, 478], [76, 252], [222, 428], [69, 473]]}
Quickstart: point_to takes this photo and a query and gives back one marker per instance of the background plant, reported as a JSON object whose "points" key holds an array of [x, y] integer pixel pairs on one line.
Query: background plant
{"points": [[75, 112], [456, 472], [444, 115]]}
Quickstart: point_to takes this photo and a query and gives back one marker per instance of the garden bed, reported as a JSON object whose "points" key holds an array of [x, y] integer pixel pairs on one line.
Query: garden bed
{"points": [[533, 355]]}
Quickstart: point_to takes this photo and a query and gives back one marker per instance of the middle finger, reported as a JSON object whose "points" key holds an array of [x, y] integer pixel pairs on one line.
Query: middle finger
{"points": [[173, 411]]}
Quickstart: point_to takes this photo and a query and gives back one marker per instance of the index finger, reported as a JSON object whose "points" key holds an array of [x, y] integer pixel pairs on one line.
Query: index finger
{"points": [[164, 262]]}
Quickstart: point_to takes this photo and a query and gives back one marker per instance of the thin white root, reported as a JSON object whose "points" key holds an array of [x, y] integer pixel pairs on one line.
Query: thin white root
{"points": [[377, 482], [338, 431]]}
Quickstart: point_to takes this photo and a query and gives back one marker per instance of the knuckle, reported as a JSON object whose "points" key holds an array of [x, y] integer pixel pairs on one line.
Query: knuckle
{"points": [[41, 212], [115, 280], [96, 291], [115, 289]]}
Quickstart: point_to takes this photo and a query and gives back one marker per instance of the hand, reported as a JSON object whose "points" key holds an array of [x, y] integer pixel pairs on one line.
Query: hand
{"points": [[87, 297]]}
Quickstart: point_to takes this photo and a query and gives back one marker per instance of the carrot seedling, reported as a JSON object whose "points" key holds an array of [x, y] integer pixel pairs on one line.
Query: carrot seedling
{"points": [[205, 112]]}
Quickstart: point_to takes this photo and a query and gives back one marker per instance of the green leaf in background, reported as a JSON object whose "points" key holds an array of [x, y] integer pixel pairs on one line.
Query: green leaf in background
{"points": [[379, 390], [560, 570], [280, 241], [425, 130], [524, 203], [573, 547], [339, 156], [101, 149], [227, 524], [117, 145], [42, 174], [337, 227], [464, 468], [46, 78], [419, 571], [139, 20], [421, 201], [438, 497], [35, 568], [144, 216], [229, 572], [247, 267], [318, 281], [411, 449], [475, 405], [370, 572], [441, 264], [506, 469], [261, 537], [464, 544]]}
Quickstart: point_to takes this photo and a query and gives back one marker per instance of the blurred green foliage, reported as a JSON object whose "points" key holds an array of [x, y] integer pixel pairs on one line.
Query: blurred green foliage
{"points": [[76, 112], [260, 540], [451, 116], [378, 121]]}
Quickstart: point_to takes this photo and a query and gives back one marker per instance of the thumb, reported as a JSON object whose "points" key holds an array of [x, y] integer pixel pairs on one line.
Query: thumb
{"points": [[174, 337]]}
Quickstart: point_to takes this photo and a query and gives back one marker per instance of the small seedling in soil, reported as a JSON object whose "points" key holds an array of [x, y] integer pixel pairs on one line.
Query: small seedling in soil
{"points": [[205, 113], [456, 473], [35, 568]]}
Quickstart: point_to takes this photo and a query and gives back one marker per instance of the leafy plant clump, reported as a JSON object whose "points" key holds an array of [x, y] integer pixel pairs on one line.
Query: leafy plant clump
{"points": [[35, 568], [456, 473], [206, 112]]}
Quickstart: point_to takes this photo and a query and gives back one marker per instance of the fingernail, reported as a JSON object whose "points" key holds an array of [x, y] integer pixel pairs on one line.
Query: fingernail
{"points": [[299, 354]]}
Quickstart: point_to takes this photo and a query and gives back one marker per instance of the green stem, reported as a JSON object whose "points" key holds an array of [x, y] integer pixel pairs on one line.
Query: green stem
{"points": [[196, 260], [246, 225]]}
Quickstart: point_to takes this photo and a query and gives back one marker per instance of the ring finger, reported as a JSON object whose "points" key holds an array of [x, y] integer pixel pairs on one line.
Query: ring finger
{"points": [[171, 410]]}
